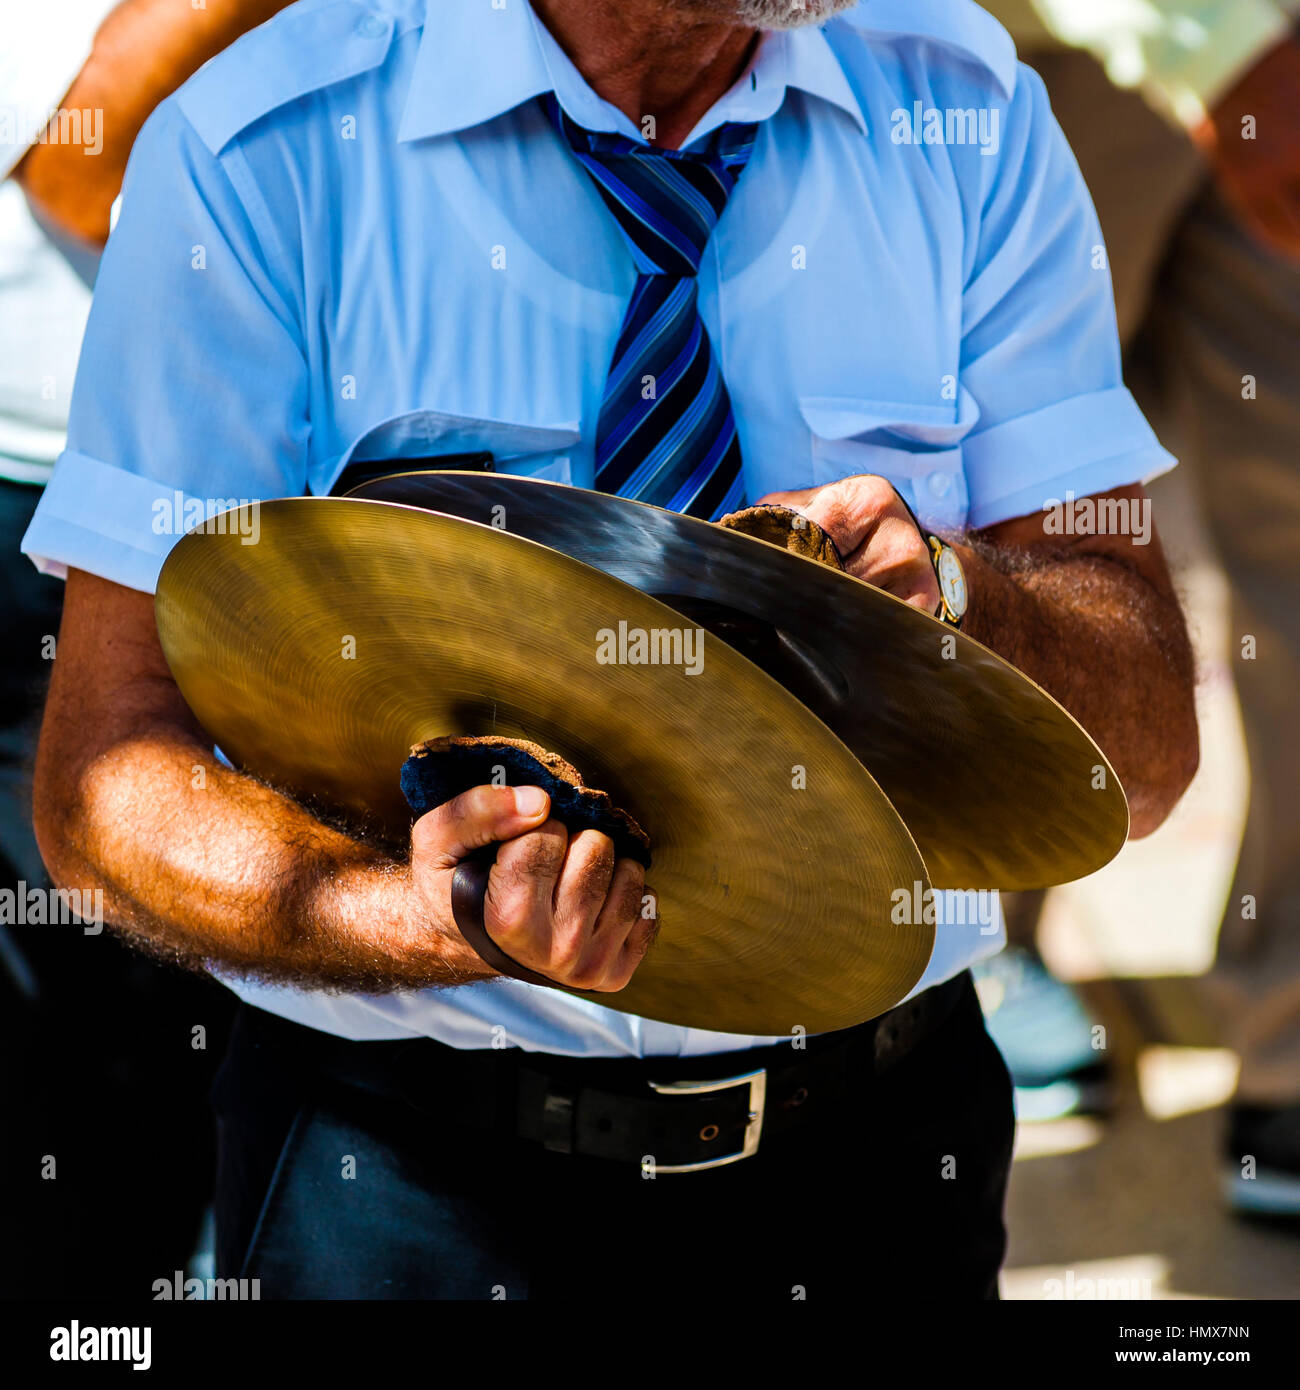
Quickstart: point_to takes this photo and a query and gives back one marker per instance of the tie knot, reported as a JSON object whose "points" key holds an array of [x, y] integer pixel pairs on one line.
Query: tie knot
{"points": [[666, 202]]}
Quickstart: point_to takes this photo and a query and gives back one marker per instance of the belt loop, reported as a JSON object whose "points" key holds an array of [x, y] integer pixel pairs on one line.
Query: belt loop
{"points": [[557, 1117]]}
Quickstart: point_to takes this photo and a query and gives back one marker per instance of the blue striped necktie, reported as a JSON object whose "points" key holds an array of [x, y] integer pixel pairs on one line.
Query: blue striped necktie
{"points": [[666, 433]]}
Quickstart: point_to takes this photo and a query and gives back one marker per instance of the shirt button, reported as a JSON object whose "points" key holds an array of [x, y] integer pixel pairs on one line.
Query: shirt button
{"points": [[940, 484], [372, 27]]}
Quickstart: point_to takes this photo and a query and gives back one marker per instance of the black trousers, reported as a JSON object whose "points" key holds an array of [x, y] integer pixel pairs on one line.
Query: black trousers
{"points": [[326, 1191]]}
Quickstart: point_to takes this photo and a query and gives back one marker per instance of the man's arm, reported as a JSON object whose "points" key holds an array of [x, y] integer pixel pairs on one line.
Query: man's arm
{"points": [[203, 863], [1093, 619], [143, 51]]}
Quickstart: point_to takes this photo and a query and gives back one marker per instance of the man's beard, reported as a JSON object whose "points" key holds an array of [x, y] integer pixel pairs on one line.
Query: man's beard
{"points": [[782, 14]]}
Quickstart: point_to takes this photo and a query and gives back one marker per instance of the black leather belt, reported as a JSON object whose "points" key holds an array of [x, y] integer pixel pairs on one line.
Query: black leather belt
{"points": [[667, 1114]]}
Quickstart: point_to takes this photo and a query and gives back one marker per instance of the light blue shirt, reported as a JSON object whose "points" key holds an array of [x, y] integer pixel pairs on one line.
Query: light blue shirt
{"points": [[356, 236]]}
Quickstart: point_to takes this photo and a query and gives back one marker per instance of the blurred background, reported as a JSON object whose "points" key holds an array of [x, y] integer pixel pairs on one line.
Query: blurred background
{"points": [[1150, 1014], [1135, 1195]]}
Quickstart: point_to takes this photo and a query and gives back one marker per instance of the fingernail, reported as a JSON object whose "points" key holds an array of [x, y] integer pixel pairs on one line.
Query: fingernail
{"points": [[530, 801]]}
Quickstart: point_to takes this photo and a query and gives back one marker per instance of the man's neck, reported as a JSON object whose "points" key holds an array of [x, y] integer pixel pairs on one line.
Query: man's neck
{"points": [[650, 59]]}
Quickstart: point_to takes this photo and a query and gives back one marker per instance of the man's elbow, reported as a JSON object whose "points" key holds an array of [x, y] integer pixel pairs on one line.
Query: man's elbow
{"points": [[51, 822], [62, 807]]}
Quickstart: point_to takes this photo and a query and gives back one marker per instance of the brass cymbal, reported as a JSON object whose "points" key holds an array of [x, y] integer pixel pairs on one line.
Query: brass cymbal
{"points": [[352, 630], [999, 785]]}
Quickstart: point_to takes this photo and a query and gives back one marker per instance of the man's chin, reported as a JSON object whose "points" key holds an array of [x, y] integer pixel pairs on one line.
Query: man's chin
{"points": [[789, 14]]}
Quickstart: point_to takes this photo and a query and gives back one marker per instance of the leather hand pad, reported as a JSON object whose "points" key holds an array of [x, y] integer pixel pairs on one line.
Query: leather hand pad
{"points": [[442, 768]]}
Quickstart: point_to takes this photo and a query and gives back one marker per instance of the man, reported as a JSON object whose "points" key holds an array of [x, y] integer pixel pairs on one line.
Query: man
{"points": [[365, 233], [1189, 138]]}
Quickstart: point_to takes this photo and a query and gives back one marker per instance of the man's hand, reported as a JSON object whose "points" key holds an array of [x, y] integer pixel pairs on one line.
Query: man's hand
{"points": [[561, 906], [1260, 175], [1091, 616], [875, 534]]}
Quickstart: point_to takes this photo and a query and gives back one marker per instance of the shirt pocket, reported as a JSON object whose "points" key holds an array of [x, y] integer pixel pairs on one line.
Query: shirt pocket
{"points": [[535, 450], [916, 447]]}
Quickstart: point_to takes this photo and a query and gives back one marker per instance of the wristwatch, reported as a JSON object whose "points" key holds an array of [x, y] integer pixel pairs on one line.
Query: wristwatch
{"points": [[953, 594], [954, 597]]}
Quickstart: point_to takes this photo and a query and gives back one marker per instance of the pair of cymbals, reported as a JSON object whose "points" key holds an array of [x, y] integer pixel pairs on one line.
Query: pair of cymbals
{"points": [[999, 786], [786, 877]]}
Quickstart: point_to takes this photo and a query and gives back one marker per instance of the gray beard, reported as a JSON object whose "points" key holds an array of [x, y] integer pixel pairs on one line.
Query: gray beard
{"points": [[783, 14]]}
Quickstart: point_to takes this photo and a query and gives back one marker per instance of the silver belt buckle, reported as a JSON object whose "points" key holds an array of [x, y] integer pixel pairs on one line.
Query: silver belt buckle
{"points": [[757, 1083]]}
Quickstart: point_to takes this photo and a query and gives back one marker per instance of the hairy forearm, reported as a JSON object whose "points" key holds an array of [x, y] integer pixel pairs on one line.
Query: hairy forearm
{"points": [[143, 51], [1101, 639], [203, 864], [1110, 646]]}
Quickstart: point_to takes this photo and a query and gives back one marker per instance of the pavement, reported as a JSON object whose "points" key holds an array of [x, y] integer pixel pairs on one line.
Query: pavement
{"points": [[1130, 1207]]}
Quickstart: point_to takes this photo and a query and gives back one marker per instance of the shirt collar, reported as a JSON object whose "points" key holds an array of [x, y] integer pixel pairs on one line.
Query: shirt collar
{"points": [[476, 62]]}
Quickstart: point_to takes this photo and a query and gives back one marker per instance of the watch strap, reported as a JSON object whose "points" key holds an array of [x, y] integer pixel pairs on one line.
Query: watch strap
{"points": [[935, 546]]}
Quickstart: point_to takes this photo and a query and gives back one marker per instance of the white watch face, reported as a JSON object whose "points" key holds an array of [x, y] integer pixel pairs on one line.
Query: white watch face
{"points": [[952, 582]]}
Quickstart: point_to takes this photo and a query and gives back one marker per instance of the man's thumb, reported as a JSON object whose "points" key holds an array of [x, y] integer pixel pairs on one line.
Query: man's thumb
{"points": [[453, 831]]}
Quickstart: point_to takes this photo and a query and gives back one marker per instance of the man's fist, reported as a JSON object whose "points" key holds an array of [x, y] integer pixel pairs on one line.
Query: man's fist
{"points": [[560, 905], [875, 533]]}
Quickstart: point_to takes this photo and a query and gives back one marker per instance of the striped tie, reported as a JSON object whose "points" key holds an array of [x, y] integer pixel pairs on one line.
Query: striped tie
{"points": [[666, 433]]}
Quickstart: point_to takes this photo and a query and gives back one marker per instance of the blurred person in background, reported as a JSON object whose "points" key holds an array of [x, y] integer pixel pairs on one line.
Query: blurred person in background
{"points": [[1185, 118], [103, 1079]]}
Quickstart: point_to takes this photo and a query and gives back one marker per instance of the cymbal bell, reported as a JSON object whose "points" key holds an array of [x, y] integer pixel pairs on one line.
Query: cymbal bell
{"points": [[999, 785], [353, 630]]}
